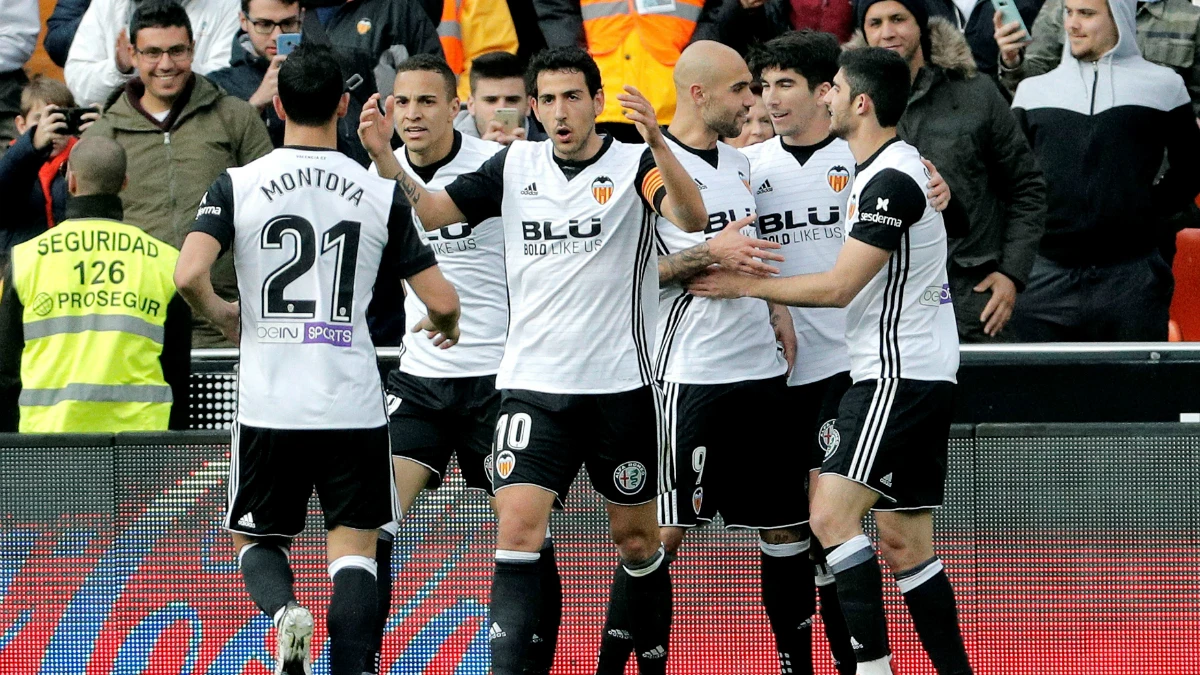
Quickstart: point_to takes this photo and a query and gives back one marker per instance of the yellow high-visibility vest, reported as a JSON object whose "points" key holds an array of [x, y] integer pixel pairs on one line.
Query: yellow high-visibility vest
{"points": [[95, 295]]}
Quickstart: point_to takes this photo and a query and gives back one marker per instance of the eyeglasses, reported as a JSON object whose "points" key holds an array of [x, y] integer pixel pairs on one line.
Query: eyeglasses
{"points": [[176, 54], [267, 26]]}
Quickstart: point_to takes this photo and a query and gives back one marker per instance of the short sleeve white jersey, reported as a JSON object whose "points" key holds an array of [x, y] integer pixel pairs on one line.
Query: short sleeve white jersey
{"points": [[703, 340], [901, 324], [471, 258], [800, 195], [309, 229], [579, 258]]}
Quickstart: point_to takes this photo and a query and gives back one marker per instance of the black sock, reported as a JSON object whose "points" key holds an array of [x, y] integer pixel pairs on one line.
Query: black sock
{"points": [[353, 612], [790, 600], [268, 576], [616, 643], [539, 656], [860, 590], [930, 601], [383, 577], [835, 624], [516, 600], [648, 601]]}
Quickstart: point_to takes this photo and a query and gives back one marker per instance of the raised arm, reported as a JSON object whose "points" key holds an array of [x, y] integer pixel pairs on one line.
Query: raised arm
{"points": [[682, 204], [435, 208]]}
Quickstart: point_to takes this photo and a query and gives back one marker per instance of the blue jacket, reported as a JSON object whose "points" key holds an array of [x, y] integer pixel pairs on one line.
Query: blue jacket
{"points": [[22, 195], [61, 27]]}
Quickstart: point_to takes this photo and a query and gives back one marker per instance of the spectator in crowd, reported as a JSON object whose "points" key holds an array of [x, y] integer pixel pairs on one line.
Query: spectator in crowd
{"points": [[741, 23], [757, 128], [61, 27], [33, 184], [498, 82], [84, 366], [961, 122], [634, 43], [974, 19], [102, 58], [529, 35], [375, 35], [180, 132], [1168, 33], [20, 23], [253, 72], [471, 28], [1099, 124]]}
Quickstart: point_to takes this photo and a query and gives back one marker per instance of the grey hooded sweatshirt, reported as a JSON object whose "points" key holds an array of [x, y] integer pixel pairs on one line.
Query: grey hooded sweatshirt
{"points": [[1099, 130]]}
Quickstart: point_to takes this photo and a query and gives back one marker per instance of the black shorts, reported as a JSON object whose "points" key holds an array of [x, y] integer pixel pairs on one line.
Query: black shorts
{"points": [[272, 473], [893, 437], [544, 439], [431, 419], [748, 469], [817, 402]]}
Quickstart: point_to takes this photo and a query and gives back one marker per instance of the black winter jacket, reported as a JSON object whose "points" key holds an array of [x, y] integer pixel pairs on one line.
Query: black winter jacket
{"points": [[22, 195]]}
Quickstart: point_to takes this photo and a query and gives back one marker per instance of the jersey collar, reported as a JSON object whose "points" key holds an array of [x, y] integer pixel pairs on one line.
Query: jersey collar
{"points": [[867, 162]]}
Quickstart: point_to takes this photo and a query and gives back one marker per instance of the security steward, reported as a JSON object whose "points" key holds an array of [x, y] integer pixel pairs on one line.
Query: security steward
{"points": [[89, 317]]}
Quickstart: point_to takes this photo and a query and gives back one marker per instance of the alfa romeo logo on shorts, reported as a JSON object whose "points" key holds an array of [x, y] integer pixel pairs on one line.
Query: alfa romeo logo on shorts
{"points": [[829, 437], [487, 468], [697, 499], [505, 461], [629, 477]]}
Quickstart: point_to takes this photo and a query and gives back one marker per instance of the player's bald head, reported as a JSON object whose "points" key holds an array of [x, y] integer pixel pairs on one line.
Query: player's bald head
{"points": [[98, 165], [707, 63]]}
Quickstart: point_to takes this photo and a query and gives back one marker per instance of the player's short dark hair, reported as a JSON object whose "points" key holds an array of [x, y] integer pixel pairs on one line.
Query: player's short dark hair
{"points": [[811, 54], [246, 5], [428, 63], [159, 14], [496, 66], [311, 84], [882, 75], [569, 59]]}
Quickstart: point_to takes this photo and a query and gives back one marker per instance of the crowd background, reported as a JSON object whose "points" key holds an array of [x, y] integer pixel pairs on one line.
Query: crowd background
{"points": [[1069, 250]]}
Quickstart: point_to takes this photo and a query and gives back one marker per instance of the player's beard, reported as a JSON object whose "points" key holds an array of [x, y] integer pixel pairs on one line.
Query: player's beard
{"points": [[727, 123], [838, 125]]}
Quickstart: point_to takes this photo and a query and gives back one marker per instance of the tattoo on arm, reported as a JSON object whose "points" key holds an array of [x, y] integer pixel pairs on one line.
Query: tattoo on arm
{"points": [[409, 187], [687, 263]]}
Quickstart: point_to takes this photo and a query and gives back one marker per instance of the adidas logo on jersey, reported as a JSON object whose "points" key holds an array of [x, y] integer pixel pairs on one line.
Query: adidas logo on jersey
{"points": [[246, 520], [495, 633], [656, 653], [765, 188], [530, 190], [886, 480]]}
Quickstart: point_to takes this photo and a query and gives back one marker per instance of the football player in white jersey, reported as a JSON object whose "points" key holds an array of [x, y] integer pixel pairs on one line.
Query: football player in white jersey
{"points": [[718, 354], [576, 375], [445, 402], [893, 423], [310, 230]]}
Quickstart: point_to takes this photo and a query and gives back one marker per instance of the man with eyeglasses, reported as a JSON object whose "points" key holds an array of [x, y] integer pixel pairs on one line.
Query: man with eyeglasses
{"points": [[100, 61], [253, 72], [180, 132]]}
